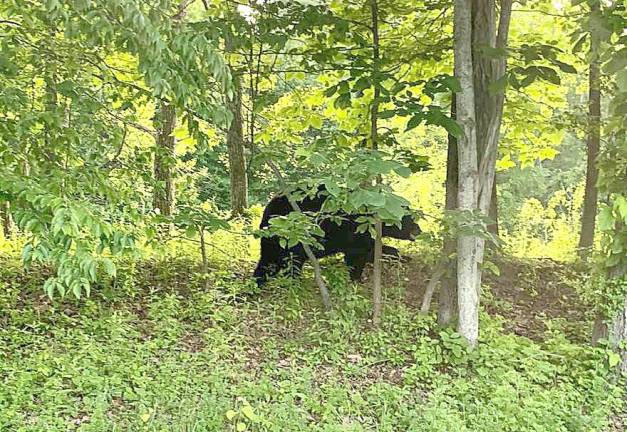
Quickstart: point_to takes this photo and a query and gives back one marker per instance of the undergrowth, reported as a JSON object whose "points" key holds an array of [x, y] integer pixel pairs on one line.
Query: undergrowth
{"points": [[162, 349]]}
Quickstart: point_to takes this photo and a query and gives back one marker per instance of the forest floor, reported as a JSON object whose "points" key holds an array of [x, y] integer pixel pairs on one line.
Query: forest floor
{"points": [[531, 296], [163, 350]]}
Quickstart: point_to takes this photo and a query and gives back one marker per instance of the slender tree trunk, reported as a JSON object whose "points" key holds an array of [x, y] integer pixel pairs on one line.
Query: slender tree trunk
{"points": [[614, 328], [165, 122], [326, 299], [447, 299], [7, 220], [588, 219], [51, 104], [378, 241], [237, 160], [494, 212], [437, 275], [467, 262], [205, 260], [163, 195]]}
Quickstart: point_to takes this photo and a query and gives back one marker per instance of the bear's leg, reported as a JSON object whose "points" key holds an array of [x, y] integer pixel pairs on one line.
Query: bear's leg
{"points": [[270, 262], [388, 251], [356, 261], [266, 270]]}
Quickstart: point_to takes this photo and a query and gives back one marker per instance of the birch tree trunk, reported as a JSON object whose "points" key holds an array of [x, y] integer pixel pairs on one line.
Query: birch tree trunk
{"points": [[237, 160], [479, 111], [588, 219], [163, 194], [467, 262]]}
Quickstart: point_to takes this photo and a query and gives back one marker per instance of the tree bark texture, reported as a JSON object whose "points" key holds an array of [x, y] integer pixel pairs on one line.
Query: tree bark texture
{"points": [[237, 160], [447, 298], [163, 195], [7, 220], [588, 219], [467, 263], [494, 211], [479, 111], [488, 102]]}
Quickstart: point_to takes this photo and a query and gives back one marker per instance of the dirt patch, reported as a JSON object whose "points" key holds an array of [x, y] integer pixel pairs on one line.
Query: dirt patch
{"points": [[532, 296]]}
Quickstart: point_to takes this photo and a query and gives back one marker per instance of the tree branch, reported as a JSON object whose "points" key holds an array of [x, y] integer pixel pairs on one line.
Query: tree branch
{"points": [[310, 255]]}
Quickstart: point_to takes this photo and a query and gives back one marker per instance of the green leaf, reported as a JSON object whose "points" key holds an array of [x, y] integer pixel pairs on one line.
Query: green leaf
{"points": [[330, 91], [361, 84], [499, 85], [109, 267], [403, 171], [230, 415], [414, 122], [613, 359], [549, 74], [564, 67], [617, 62], [241, 427], [579, 44], [316, 121], [343, 101], [489, 265], [374, 199], [247, 410], [387, 114], [452, 83], [606, 219]]}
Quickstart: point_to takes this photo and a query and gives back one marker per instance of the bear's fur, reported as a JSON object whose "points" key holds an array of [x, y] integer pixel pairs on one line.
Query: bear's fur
{"points": [[358, 248]]}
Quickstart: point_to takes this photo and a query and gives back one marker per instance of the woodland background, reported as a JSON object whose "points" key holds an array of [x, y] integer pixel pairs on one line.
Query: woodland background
{"points": [[141, 139]]}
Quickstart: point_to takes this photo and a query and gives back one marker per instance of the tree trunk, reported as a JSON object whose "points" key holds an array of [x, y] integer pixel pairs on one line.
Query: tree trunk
{"points": [[51, 105], [237, 160], [489, 104], [205, 260], [479, 111], [494, 212], [7, 220], [447, 299], [378, 240], [163, 195], [614, 329], [437, 275], [467, 263], [588, 219]]}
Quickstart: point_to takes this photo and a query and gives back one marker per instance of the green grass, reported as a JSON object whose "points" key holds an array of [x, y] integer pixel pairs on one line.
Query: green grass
{"points": [[157, 352]]}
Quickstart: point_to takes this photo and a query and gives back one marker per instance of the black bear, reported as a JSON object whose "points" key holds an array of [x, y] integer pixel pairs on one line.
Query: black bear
{"points": [[358, 248]]}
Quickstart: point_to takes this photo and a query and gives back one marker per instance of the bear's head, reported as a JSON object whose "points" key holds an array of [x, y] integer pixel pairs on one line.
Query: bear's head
{"points": [[409, 229]]}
